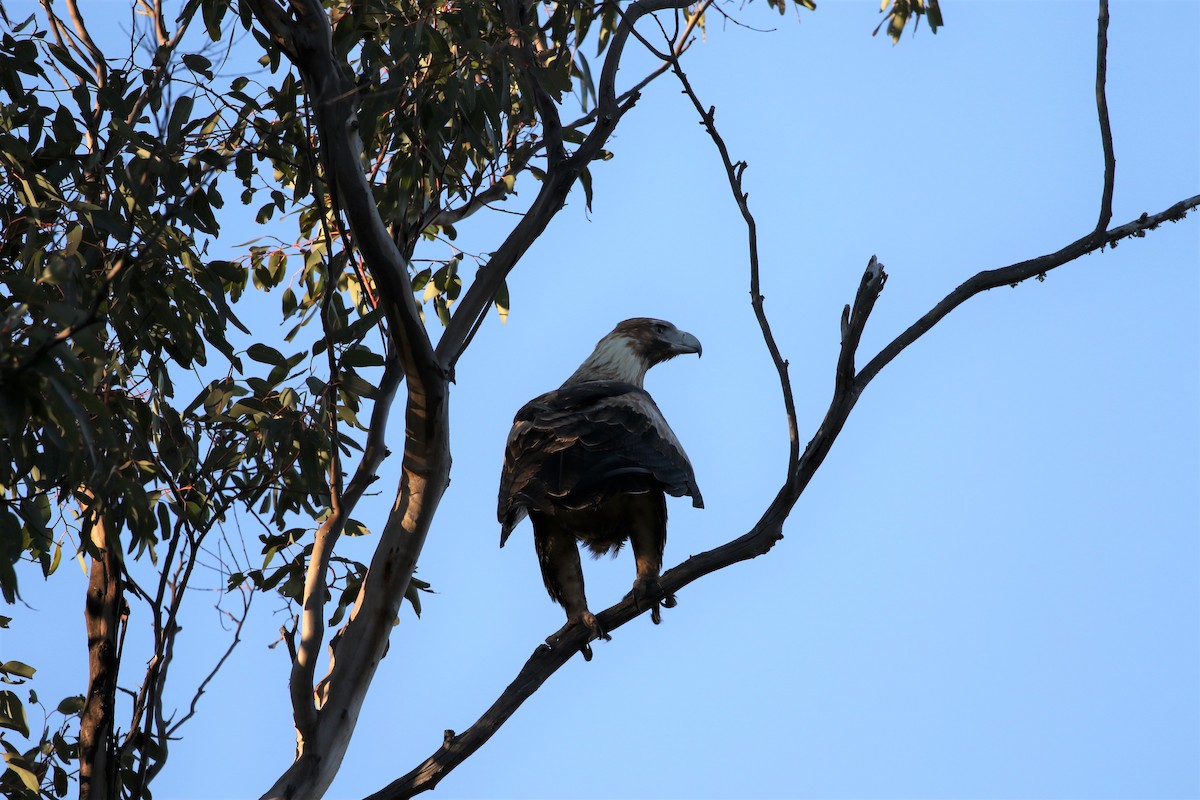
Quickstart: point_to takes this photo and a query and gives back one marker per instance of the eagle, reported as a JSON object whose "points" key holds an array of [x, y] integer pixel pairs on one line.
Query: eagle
{"points": [[593, 461]]}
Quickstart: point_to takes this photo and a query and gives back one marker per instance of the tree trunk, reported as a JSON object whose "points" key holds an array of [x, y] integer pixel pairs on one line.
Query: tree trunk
{"points": [[363, 642], [102, 613]]}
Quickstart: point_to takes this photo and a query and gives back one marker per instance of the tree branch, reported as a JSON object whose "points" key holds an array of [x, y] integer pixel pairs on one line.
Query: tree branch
{"points": [[681, 43], [557, 184], [1110, 159], [1021, 271], [374, 452], [358, 647], [733, 174], [498, 191], [99, 65]]}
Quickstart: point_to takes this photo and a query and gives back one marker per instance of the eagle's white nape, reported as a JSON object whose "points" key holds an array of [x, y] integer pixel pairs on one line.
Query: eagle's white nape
{"points": [[616, 358]]}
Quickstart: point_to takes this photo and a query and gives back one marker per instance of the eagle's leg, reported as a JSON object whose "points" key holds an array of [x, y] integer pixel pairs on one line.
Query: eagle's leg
{"points": [[562, 573], [649, 536]]}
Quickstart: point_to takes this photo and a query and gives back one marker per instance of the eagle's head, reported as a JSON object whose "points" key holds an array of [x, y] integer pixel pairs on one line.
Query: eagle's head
{"points": [[633, 347]]}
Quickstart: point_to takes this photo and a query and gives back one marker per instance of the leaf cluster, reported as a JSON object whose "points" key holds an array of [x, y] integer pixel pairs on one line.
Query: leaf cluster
{"points": [[43, 770], [105, 293]]}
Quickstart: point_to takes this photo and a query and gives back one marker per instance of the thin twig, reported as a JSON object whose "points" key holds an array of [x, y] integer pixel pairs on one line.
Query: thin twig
{"points": [[682, 43], [733, 174], [94, 53], [1021, 271], [240, 622]]}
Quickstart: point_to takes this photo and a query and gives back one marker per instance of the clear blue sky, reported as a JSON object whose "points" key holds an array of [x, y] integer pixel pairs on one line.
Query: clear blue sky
{"points": [[991, 588]]}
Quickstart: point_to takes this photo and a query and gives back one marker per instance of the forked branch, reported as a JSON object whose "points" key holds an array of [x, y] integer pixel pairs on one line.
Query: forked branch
{"points": [[559, 180]]}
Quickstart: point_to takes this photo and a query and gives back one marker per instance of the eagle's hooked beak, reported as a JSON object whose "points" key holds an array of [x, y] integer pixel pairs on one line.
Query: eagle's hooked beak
{"points": [[683, 342]]}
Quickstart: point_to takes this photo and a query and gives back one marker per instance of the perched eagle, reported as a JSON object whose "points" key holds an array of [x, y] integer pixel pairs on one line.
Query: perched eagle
{"points": [[593, 461]]}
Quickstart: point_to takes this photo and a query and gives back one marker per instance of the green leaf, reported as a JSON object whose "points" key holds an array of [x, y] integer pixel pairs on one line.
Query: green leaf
{"points": [[74, 237], [71, 705], [62, 56], [18, 765], [198, 64], [585, 180], [12, 713], [934, 12], [180, 115], [18, 669], [265, 354], [502, 304], [361, 357], [413, 596]]}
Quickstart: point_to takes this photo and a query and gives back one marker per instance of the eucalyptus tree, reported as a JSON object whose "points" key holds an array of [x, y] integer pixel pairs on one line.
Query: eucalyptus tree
{"points": [[371, 129]]}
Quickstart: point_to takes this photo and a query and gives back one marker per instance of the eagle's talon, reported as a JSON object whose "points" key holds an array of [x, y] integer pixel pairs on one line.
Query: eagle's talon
{"points": [[649, 588], [587, 620]]}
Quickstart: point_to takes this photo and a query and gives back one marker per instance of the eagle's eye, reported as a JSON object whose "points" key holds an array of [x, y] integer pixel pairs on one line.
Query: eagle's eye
{"points": [[660, 328]]}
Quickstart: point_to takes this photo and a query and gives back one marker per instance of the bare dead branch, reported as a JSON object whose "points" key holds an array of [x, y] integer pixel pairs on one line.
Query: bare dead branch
{"points": [[239, 622], [455, 749], [1110, 159], [733, 174], [1021, 271], [758, 540]]}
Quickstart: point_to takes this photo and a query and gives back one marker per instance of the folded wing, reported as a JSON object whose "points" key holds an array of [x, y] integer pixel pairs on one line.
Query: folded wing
{"points": [[581, 445]]}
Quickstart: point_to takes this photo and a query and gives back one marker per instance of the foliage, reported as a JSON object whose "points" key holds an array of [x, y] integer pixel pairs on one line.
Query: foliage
{"points": [[897, 13], [46, 766]]}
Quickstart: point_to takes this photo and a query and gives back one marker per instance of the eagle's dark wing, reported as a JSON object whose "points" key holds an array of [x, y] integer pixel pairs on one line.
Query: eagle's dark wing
{"points": [[578, 446]]}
